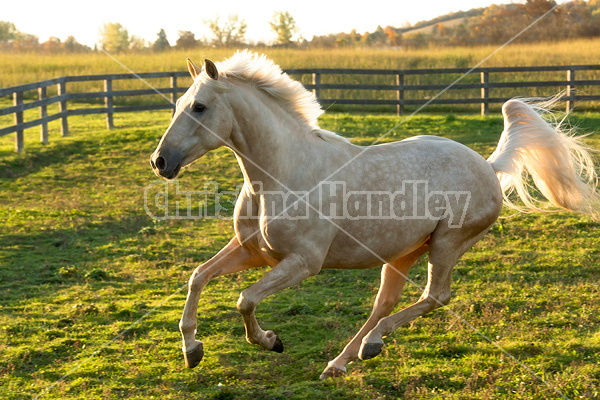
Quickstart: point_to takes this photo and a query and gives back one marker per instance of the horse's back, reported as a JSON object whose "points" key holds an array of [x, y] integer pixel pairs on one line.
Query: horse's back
{"points": [[415, 187], [444, 163], [448, 167]]}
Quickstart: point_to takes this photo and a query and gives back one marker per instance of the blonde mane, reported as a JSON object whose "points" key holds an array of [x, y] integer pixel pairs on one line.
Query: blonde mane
{"points": [[268, 77]]}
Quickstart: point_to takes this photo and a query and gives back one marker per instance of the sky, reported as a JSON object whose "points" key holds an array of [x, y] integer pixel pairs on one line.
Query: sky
{"points": [[84, 19]]}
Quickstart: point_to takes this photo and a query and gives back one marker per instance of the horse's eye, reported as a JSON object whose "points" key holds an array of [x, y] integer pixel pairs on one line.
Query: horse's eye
{"points": [[198, 107]]}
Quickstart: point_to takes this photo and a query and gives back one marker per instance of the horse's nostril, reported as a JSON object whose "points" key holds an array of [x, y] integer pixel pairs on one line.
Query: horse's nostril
{"points": [[161, 164]]}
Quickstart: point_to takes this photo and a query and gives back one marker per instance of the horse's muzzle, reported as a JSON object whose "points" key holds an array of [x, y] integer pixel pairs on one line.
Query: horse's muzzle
{"points": [[166, 164]]}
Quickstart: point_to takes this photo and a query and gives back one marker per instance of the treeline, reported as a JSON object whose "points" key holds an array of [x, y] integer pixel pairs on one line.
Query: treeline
{"points": [[115, 38], [495, 24], [499, 24], [11, 39]]}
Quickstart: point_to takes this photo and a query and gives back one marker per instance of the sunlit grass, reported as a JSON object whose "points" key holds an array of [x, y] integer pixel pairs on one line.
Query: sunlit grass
{"points": [[80, 261], [24, 68]]}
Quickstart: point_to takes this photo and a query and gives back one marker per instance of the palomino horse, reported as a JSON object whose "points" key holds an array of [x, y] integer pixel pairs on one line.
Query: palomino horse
{"points": [[307, 200]]}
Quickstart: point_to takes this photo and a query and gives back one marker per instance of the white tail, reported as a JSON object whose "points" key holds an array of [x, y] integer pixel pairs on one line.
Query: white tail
{"points": [[560, 166]]}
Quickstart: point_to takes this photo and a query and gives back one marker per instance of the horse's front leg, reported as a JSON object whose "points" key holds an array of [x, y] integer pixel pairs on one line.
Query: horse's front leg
{"points": [[290, 271], [232, 258]]}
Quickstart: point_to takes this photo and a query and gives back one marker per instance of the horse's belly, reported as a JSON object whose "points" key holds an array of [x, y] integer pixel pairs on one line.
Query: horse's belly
{"points": [[359, 246]]}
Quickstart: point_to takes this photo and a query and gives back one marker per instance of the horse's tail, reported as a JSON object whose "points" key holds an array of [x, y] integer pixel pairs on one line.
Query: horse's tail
{"points": [[560, 166]]}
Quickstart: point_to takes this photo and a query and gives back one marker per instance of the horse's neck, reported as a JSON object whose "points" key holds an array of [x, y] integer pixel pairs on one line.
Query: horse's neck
{"points": [[269, 142]]}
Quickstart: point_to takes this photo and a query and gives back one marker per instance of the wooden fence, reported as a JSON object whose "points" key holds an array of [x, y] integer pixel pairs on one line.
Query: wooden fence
{"points": [[446, 82]]}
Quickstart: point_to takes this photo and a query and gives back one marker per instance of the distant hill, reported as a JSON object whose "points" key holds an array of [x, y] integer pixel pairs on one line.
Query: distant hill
{"points": [[428, 28], [495, 24], [449, 19]]}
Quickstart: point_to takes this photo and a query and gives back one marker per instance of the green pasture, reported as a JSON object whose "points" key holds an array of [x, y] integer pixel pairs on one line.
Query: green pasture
{"points": [[92, 288]]}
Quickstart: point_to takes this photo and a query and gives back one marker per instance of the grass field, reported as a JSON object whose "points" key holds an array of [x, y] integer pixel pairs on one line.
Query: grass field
{"points": [[82, 264], [25, 68]]}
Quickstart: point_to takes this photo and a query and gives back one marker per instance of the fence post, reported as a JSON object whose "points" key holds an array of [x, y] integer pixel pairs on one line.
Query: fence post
{"points": [[62, 108], [485, 93], [400, 94], [17, 101], [570, 90], [42, 94], [108, 103], [316, 81], [173, 93]]}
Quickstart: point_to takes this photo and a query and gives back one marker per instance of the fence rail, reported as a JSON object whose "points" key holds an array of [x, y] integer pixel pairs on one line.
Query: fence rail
{"points": [[316, 75]]}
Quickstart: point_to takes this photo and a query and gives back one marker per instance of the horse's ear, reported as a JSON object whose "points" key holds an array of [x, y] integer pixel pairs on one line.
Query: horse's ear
{"points": [[193, 68], [211, 69]]}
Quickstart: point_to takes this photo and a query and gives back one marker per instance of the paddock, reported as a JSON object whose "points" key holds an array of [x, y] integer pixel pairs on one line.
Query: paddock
{"points": [[92, 287]]}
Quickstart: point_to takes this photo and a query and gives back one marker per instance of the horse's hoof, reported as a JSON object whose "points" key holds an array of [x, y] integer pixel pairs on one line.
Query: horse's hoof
{"points": [[370, 350], [332, 372], [193, 358], [278, 346]]}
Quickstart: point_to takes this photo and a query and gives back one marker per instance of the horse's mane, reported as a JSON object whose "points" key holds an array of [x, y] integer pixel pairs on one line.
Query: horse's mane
{"points": [[267, 76]]}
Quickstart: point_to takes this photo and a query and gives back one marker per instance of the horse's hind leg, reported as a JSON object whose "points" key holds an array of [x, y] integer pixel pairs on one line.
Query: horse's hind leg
{"points": [[393, 277], [446, 247]]}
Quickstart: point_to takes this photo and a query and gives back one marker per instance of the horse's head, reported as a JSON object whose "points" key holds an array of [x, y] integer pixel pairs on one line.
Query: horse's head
{"points": [[201, 123]]}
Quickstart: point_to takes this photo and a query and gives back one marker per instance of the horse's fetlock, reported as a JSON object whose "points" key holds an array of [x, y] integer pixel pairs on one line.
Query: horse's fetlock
{"points": [[186, 327], [445, 299], [433, 302]]}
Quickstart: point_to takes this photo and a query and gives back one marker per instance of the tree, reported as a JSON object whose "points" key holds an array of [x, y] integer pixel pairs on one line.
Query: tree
{"points": [[114, 38], [137, 43], [354, 37], [71, 45], [8, 31], [366, 39], [379, 37], [416, 40], [229, 33], [161, 43], [25, 42], [186, 40], [394, 36], [460, 36], [52, 45], [284, 26]]}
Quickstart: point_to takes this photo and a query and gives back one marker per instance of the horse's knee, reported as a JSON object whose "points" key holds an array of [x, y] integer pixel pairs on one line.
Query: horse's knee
{"points": [[195, 285], [197, 282]]}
